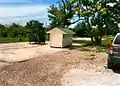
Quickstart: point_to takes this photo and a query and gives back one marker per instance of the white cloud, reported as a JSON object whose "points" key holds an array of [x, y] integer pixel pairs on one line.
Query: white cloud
{"points": [[22, 21], [22, 14], [14, 11]]}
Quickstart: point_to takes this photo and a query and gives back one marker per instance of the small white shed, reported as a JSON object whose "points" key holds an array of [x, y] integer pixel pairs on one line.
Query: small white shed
{"points": [[60, 37]]}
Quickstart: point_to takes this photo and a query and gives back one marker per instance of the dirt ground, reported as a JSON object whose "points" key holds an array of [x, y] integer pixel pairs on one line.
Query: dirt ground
{"points": [[12, 52], [63, 68], [54, 67]]}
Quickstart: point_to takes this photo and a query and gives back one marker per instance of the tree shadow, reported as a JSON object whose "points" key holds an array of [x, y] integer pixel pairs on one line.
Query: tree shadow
{"points": [[42, 43]]}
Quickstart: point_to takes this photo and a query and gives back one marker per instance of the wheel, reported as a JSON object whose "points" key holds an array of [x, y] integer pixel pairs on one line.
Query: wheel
{"points": [[109, 64]]}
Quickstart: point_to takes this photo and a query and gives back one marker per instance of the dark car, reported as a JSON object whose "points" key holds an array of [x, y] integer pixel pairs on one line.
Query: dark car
{"points": [[114, 52]]}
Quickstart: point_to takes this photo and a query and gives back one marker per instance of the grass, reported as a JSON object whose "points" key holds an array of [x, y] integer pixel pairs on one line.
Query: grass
{"points": [[11, 40], [106, 41], [103, 48]]}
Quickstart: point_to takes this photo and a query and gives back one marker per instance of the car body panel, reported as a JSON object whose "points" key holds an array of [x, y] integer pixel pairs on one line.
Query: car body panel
{"points": [[115, 57]]}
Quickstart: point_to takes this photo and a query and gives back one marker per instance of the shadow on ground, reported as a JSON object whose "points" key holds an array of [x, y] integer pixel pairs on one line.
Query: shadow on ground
{"points": [[38, 43]]}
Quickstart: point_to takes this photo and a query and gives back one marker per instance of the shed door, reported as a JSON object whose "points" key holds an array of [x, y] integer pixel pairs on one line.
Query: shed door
{"points": [[56, 40]]}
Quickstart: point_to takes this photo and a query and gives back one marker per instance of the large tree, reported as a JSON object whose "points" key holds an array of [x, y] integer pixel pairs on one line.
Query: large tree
{"points": [[63, 14]]}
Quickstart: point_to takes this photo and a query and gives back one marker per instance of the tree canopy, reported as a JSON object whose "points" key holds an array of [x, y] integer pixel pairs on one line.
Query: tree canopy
{"points": [[63, 14], [12, 31], [33, 30], [36, 31]]}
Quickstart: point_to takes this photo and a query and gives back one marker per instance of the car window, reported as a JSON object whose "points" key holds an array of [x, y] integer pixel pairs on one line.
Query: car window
{"points": [[117, 40]]}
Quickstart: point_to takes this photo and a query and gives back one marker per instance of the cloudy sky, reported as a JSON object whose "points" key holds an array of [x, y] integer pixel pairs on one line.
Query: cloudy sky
{"points": [[20, 11]]}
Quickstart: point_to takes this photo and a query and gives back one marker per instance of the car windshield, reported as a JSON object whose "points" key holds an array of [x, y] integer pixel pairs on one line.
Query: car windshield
{"points": [[117, 40]]}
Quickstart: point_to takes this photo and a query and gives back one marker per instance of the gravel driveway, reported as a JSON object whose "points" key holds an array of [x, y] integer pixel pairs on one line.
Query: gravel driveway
{"points": [[63, 68], [76, 77]]}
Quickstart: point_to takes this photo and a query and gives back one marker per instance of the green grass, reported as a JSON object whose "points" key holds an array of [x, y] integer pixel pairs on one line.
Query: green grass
{"points": [[106, 41], [103, 48], [11, 40]]}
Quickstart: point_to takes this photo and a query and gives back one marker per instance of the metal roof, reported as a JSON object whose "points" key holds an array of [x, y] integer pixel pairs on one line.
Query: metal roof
{"points": [[62, 30]]}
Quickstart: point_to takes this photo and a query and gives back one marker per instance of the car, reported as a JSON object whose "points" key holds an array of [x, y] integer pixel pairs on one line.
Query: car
{"points": [[114, 52]]}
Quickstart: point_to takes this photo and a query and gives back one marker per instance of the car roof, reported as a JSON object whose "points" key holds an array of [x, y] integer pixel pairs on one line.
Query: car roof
{"points": [[115, 38], [118, 33]]}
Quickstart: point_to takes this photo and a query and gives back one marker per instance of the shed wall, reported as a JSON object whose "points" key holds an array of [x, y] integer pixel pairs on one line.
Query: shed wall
{"points": [[56, 40], [67, 40]]}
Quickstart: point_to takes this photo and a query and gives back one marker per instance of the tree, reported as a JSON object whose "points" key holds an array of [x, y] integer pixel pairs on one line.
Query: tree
{"points": [[2, 31], [36, 31], [100, 17], [90, 10], [62, 14], [16, 30]]}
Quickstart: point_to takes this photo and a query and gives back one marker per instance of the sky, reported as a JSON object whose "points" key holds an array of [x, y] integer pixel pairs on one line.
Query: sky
{"points": [[21, 11]]}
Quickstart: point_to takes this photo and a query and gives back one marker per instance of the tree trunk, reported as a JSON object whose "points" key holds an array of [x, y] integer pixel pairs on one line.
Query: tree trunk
{"points": [[97, 40], [92, 40]]}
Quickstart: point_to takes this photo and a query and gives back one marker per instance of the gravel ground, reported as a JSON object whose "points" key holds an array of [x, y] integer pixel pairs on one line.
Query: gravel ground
{"points": [[12, 52], [76, 77], [64, 68]]}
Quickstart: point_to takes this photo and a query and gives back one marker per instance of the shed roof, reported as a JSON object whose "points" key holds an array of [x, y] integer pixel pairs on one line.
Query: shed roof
{"points": [[61, 30]]}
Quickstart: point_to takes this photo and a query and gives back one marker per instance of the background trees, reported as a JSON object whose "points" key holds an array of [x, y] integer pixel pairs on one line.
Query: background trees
{"points": [[13, 30], [16, 31], [80, 29], [3, 32], [33, 31]]}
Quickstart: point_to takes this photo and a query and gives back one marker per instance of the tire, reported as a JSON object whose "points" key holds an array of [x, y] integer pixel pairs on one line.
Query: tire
{"points": [[109, 64]]}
